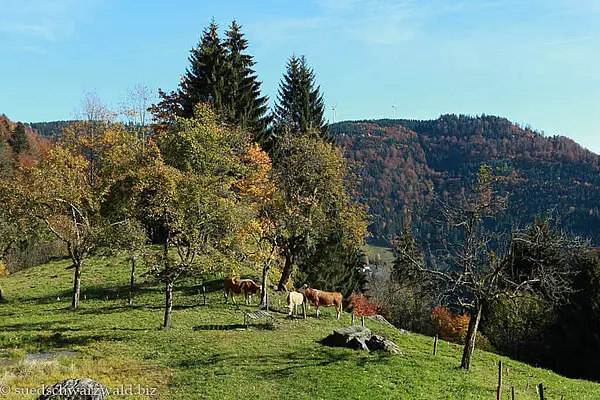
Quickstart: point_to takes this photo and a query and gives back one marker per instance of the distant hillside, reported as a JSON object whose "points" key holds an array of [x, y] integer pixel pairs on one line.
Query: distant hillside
{"points": [[49, 129], [19, 144], [405, 163]]}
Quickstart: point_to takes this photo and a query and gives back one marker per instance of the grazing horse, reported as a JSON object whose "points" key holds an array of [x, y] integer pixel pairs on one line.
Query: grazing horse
{"points": [[294, 299], [232, 286], [249, 287], [321, 298]]}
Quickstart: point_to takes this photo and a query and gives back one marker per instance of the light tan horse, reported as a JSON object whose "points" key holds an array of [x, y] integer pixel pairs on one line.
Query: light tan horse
{"points": [[294, 299]]}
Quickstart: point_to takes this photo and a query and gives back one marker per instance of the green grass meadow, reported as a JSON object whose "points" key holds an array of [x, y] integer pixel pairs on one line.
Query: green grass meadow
{"points": [[379, 254], [209, 354]]}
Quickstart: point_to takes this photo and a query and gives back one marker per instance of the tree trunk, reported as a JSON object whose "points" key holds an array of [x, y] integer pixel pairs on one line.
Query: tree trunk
{"points": [[132, 279], [286, 274], [166, 247], [168, 304], [265, 275], [76, 284], [2, 298], [470, 339]]}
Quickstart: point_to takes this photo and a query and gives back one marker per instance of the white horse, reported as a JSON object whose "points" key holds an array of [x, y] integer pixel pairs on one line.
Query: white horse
{"points": [[294, 299]]}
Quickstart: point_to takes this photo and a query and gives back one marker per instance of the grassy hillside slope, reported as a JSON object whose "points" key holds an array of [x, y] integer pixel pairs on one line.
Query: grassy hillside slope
{"points": [[208, 354]]}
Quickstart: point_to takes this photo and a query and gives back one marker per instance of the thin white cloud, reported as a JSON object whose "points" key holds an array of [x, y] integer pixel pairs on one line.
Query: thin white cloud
{"points": [[570, 7], [371, 22], [532, 45], [568, 40], [41, 20], [375, 22], [28, 49]]}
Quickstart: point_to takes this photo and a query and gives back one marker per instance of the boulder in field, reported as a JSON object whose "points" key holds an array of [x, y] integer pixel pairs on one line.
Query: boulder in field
{"points": [[354, 337], [380, 343]]}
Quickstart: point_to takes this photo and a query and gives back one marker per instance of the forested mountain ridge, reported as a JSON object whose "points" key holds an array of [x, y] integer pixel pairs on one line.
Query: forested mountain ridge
{"points": [[49, 129], [404, 164]]}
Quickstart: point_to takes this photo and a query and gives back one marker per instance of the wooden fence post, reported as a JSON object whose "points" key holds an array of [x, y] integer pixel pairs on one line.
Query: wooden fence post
{"points": [[512, 390], [435, 339], [499, 393], [352, 319], [541, 386], [362, 320]]}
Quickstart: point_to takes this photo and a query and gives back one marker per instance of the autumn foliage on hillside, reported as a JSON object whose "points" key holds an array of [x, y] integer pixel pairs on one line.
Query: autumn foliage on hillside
{"points": [[361, 306], [405, 164], [449, 326], [20, 146]]}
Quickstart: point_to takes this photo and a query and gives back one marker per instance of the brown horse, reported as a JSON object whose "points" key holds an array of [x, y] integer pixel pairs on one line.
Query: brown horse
{"points": [[249, 287], [322, 298], [232, 286]]}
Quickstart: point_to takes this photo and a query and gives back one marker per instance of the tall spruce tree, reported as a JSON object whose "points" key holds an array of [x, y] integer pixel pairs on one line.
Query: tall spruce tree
{"points": [[221, 73], [300, 105], [18, 140], [204, 80], [243, 101]]}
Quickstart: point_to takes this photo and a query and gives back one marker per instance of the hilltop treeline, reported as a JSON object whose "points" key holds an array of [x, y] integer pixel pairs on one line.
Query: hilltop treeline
{"points": [[404, 164]]}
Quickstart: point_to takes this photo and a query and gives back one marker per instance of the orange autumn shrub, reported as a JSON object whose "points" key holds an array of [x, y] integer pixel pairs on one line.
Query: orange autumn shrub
{"points": [[448, 326], [361, 306]]}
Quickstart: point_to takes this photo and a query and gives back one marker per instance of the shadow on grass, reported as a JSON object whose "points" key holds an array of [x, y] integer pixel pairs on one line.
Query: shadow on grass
{"points": [[284, 365], [211, 286], [6, 314], [214, 360], [37, 326], [268, 326], [219, 327], [57, 340], [125, 308], [121, 292], [298, 361], [95, 292]]}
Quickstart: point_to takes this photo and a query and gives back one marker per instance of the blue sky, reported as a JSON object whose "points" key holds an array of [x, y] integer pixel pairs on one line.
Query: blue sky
{"points": [[535, 62]]}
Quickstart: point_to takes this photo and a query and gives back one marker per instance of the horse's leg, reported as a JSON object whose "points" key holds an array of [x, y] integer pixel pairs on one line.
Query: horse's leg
{"points": [[296, 305], [225, 296], [317, 307]]}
